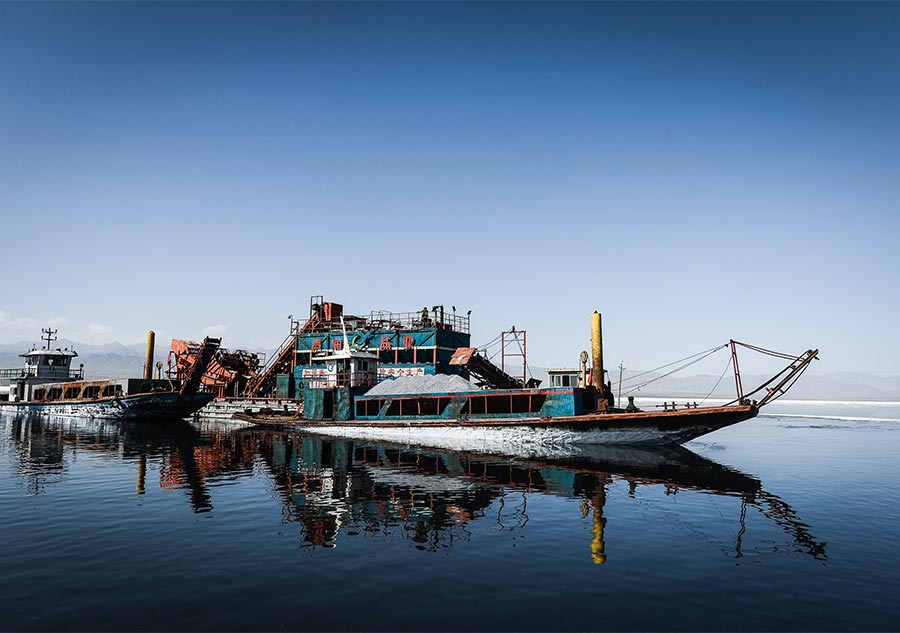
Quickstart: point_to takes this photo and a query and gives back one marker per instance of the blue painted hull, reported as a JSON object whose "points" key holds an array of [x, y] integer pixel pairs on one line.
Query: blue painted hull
{"points": [[492, 434]]}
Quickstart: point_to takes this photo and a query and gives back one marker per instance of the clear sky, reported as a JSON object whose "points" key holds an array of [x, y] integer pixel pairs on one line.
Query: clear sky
{"points": [[694, 171]]}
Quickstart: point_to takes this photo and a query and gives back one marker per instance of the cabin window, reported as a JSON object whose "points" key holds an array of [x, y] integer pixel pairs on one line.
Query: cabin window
{"points": [[428, 406], [55, 393], [112, 390], [39, 394], [71, 392], [500, 403], [476, 405], [363, 407], [90, 392], [536, 402], [565, 381]]}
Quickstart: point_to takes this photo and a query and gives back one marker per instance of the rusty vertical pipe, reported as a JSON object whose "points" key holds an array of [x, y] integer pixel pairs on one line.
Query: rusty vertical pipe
{"points": [[597, 351], [598, 544], [148, 361], [142, 473]]}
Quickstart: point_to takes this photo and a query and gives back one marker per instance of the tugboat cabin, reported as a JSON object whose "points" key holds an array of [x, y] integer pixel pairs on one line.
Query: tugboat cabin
{"points": [[564, 377], [42, 366]]}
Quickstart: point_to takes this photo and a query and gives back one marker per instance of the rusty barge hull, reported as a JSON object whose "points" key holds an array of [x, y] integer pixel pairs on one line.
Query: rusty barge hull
{"points": [[656, 428], [135, 407]]}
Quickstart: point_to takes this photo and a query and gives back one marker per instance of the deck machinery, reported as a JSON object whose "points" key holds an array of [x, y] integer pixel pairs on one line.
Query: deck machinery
{"points": [[400, 343], [392, 344]]}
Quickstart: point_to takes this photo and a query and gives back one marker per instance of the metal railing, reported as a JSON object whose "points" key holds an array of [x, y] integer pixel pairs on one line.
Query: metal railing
{"points": [[385, 320], [31, 372], [422, 319], [267, 364], [313, 379]]}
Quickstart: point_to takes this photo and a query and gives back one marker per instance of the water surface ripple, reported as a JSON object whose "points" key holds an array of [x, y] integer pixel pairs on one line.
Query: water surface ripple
{"points": [[775, 524]]}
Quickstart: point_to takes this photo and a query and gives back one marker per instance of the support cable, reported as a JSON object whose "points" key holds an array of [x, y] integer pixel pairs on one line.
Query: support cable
{"points": [[677, 369], [524, 358], [727, 365], [768, 352], [489, 344], [794, 372], [702, 355]]}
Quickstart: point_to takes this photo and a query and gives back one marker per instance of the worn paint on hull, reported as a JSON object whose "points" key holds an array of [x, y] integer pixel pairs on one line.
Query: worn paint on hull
{"points": [[498, 435], [137, 407], [225, 408]]}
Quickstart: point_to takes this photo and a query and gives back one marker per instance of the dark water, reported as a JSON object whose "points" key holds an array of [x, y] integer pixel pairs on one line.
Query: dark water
{"points": [[781, 524]]}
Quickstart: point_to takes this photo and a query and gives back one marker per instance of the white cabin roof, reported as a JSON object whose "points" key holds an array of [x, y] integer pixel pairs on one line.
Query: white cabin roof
{"points": [[71, 353]]}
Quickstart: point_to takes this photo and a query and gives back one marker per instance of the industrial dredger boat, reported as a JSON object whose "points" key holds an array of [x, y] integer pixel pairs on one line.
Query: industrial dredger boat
{"points": [[48, 385], [335, 369]]}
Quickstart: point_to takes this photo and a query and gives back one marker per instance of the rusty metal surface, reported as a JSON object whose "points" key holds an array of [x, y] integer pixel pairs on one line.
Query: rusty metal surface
{"points": [[192, 381], [227, 374], [484, 369], [515, 340], [786, 377], [712, 417], [87, 389], [462, 355]]}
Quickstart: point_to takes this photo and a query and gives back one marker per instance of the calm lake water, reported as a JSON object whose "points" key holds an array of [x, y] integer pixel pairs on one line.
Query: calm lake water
{"points": [[779, 523]]}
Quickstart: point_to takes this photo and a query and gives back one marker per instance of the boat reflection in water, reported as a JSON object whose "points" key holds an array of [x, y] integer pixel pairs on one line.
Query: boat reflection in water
{"points": [[356, 486], [188, 459], [342, 488]]}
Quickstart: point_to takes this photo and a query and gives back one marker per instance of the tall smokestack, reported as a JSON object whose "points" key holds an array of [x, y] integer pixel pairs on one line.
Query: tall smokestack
{"points": [[148, 362], [597, 351]]}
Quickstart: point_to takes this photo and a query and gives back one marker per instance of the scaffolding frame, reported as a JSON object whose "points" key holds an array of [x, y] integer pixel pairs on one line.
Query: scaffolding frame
{"points": [[515, 340]]}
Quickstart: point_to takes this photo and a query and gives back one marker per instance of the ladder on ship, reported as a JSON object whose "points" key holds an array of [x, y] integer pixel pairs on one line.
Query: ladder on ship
{"points": [[282, 361]]}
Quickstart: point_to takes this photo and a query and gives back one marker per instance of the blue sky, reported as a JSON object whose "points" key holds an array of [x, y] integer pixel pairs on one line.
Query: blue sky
{"points": [[693, 171]]}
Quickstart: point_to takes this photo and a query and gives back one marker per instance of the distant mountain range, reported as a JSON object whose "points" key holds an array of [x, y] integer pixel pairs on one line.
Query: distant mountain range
{"points": [[830, 386], [115, 360], [110, 360]]}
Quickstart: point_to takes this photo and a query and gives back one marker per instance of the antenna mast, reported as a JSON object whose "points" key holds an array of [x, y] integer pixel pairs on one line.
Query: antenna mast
{"points": [[50, 336]]}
